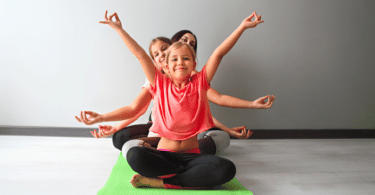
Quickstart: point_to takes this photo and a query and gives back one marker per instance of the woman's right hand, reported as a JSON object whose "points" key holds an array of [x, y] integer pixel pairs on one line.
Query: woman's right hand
{"points": [[113, 24], [93, 117]]}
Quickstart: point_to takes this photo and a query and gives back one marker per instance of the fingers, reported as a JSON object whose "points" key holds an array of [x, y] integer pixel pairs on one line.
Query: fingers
{"points": [[78, 119], [256, 17], [117, 18], [250, 17], [105, 15], [249, 133], [84, 116], [111, 16], [94, 134]]}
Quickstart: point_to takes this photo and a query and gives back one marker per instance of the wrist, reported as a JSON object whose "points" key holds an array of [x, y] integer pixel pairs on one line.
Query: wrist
{"points": [[101, 118], [242, 27], [251, 104]]}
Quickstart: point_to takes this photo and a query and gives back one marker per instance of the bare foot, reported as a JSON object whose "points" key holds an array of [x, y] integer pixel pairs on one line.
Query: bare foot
{"points": [[139, 180]]}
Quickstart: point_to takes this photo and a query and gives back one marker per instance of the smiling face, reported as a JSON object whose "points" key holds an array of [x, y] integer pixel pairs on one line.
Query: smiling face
{"points": [[181, 62], [158, 51], [188, 39]]}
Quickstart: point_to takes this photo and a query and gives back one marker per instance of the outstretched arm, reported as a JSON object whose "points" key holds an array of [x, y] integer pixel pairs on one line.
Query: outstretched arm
{"points": [[233, 102], [226, 46], [142, 100], [145, 60], [107, 130]]}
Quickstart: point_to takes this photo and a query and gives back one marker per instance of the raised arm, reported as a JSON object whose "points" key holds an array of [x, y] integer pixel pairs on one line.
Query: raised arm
{"points": [[145, 60], [233, 102], [226, 46]]}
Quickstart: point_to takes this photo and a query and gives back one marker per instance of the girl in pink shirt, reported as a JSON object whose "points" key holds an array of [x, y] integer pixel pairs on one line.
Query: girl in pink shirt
{"points": [[210, 143], [177, 162], [182, 111]]}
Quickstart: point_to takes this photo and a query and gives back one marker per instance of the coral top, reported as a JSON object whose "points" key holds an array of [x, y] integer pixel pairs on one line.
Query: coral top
{"points": [[181, 114]]}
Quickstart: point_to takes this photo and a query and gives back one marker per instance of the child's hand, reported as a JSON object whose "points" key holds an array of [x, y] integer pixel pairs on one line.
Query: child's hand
{"points": [[92, 119], [261, 104], [104, 131], [247, 23], [240, 132], [116, 24]]}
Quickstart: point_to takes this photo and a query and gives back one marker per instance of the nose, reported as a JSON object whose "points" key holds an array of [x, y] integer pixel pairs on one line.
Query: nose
{"points": [[162, 57], [180, 62]]}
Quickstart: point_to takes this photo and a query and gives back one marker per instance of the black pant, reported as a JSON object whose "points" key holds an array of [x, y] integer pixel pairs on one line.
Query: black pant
{"points": [[193, 170]]}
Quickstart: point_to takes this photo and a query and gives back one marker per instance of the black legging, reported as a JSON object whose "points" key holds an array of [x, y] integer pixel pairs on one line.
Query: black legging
{"points": [[193, 170], [129, 133]]}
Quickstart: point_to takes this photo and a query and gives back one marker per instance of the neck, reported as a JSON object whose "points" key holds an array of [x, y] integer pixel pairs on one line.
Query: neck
{"points": [[180, 84]]}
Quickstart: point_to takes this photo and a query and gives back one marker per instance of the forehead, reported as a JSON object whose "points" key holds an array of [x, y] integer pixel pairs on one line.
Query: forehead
{"points": [[181, 51], [189, 36], [158, 45]]}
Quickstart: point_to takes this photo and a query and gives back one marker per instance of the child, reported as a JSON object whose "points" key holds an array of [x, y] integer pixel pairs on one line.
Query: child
{"points": [[214, 142], [182, 111]]}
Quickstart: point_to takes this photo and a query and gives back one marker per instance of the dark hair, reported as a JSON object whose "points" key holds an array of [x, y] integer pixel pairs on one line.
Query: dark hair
{"points": [[176, 37], [164, 39]]}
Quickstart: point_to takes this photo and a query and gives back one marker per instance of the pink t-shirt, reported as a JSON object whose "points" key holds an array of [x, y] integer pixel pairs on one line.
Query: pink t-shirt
{"points": [[181, 114]]}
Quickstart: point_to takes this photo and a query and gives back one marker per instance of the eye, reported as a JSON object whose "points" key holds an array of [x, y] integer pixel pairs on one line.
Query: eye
{"points": [[186, 58], [192, 44], [156, 55], [184, 40], [174, 59]]}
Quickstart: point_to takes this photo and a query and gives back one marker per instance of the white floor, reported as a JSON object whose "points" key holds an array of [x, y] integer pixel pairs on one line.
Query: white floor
{"points": [[62, 165]]}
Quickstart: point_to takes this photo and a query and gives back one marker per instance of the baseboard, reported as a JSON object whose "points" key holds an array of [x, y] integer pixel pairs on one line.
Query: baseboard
{"points": [[313, 134], [258, 133], [46, 131]]}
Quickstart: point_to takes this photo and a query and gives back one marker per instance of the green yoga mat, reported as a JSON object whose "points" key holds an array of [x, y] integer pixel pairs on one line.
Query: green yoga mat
{"points": [[119, 183]]}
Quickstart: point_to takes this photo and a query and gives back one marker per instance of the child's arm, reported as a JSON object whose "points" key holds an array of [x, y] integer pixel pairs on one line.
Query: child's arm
{"points": [[107, 130], [145, 60], [233, 102], [239, 132], [142, 100], [226, 46]]}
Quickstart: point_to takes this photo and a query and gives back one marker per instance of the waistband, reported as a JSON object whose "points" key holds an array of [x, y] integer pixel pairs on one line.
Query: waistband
{"points": [[194, 150]]}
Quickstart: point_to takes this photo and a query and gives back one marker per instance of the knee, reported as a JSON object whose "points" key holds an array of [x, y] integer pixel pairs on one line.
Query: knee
{"points": [[226, 169], [129, 145], [221, 139], [133, 156], [119, 138]]}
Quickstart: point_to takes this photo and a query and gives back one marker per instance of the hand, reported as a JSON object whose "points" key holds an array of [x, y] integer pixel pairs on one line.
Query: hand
{"points": [[247, 23], [92, 119], [240, 132], [104, 131], [261, 104], [115, 25]]}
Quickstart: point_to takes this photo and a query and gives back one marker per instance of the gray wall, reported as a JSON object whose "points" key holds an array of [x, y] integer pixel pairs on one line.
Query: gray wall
{"points": [[316, 57]]}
